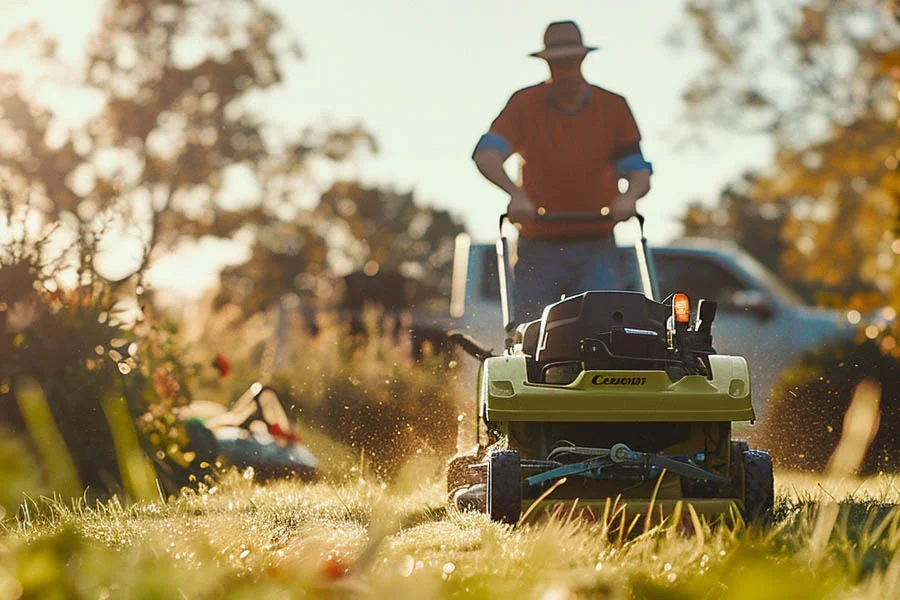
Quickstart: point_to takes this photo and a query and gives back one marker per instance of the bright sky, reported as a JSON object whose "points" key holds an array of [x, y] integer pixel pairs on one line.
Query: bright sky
{"points": [[427, 78]]}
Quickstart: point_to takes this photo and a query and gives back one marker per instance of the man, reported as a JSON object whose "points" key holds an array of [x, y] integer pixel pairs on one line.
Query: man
{"points": [[577, 141]]}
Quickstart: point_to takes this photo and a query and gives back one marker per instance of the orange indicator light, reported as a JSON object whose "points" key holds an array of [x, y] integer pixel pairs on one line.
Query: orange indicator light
{"points": [[682, 307]]}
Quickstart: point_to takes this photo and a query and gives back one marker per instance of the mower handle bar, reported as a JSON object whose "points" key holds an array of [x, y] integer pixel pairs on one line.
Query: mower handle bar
{"points": [[573, 218]]}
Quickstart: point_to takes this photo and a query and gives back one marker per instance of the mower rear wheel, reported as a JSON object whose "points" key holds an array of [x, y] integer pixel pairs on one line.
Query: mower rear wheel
{"points": [[759, 486], [459, 474], [504, 487]]}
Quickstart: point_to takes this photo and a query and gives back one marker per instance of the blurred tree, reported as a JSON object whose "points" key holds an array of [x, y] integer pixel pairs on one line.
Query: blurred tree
{"points": [[353, 228], [286, 258], [755, 226], [174, 148], [821, 77], [798, 69], [386, 231]]}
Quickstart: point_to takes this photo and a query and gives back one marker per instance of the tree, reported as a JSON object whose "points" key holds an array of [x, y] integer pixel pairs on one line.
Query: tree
{"points": [[797, 69], [820, 77], [174, 132], [738, 216], [353, 228], [388, 231]]}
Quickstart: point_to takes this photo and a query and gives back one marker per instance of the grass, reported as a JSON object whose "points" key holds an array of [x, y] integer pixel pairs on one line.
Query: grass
{"points": [[354, 537]]}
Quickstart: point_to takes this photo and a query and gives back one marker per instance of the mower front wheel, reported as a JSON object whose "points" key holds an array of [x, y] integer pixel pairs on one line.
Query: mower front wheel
{"points": [[504, 486], [759, 486]]}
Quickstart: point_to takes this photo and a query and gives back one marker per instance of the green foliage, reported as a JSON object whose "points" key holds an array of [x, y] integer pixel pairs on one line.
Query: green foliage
{"points": [[822, 78], [64, 352]]}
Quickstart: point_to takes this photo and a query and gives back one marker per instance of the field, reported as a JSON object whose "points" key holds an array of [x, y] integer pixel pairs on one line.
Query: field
{"points": [[354, 537]]}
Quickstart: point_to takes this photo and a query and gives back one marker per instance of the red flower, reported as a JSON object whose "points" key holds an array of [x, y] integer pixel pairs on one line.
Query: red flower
{"points": [[291, 437], [222, 365]]}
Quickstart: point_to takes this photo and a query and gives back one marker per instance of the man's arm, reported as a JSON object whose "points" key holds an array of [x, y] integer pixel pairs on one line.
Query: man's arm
{"points": [[638, 184], [489, 156], [490, 163]]}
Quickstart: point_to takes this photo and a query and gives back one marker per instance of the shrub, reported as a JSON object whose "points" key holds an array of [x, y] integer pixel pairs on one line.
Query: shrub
{"points": [[804, 420], [72, 341]]}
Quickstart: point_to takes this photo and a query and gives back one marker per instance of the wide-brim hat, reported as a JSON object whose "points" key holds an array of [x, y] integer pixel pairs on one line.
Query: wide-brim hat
{"points": [[563, 40]]}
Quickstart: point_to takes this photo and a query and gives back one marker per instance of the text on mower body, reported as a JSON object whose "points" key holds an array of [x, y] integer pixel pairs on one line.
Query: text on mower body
{"points": [[602, 380]]}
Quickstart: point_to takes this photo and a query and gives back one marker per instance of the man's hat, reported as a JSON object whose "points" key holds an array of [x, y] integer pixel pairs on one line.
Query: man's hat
{"points": [[562, 40]]}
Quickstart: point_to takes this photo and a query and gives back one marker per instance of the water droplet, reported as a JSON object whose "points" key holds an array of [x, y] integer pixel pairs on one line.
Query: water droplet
{"points": [[407, 564], [449, 568]]}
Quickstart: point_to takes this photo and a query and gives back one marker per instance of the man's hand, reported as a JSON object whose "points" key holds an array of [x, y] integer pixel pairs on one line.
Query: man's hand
{"points": [[623, 208], [520, 207]]}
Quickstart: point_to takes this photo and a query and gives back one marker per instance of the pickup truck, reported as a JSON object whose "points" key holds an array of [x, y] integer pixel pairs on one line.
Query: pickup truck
{"points": [[759, 316]]}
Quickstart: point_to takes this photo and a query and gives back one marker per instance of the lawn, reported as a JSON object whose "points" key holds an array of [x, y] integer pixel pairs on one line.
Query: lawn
{"points": [[355, 537]]}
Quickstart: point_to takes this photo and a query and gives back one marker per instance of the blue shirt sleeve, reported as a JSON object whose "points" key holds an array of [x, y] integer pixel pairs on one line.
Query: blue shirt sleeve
{"points": [[631, 163], [492, 141]]}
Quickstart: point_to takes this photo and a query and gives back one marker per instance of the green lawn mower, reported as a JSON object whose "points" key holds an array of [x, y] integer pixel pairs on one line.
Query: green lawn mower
{"points": [[611, 396]]}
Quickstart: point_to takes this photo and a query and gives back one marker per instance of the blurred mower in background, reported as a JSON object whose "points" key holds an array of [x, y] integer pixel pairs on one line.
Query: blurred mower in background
{"points": [[255, 432]]}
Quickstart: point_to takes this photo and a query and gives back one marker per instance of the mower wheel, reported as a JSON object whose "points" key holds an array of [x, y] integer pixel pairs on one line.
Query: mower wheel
{"points": [[759, 486], [504, 486], [459, 475]]}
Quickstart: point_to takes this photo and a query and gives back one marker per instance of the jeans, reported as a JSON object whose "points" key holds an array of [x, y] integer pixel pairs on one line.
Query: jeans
{"points": [[549, 268]]}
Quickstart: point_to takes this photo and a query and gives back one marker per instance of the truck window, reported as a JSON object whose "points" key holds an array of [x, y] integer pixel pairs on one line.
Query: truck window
{"points": [[697, 277]]}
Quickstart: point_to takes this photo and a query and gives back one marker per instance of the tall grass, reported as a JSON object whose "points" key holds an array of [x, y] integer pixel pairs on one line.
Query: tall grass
{"points": [[366, 396]]}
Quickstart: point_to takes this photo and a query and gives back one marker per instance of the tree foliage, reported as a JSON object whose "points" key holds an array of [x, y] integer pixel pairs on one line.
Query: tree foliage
{"points": [[353, 228], [174, 138], [798, 69], [822, 78]]}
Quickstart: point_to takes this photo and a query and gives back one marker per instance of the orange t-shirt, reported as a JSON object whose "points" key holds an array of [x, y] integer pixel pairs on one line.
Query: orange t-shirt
{"points": [[569, 157]]}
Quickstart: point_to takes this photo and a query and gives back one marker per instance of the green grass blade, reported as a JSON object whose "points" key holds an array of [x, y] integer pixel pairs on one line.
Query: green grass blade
{"points": [[62, 476]]}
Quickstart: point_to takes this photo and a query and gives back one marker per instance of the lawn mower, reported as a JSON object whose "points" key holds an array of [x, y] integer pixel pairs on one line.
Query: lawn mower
{"points": [[254, 432], [611, 396]]}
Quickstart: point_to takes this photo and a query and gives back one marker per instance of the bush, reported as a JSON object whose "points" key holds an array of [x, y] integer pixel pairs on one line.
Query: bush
{"points": [[70, 342], [804, 420]]}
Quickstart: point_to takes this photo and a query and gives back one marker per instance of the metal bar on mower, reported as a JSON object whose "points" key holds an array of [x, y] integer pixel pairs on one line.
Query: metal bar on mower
{"points": [[633, 459], [642, 251], [594, 464], [504, 275]]}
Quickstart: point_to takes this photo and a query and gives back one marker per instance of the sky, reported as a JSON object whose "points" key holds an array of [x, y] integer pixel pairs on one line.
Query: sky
{"points": [[427, 78]]}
